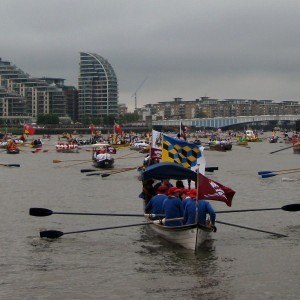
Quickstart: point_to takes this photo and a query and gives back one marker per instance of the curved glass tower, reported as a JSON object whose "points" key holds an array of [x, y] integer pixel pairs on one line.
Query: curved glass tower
{"points": [[98, 87]]}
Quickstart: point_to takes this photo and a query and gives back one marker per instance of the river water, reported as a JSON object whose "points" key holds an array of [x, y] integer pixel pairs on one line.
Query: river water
{"points": [[132, 262]]}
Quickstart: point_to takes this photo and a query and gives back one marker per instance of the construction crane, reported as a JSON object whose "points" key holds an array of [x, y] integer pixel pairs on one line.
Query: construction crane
{"points": [[135, 93]]}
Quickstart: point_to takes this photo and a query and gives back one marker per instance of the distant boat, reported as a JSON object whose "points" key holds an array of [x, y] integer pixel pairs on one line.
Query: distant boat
{"points": [[66, 148], [101, 155]]}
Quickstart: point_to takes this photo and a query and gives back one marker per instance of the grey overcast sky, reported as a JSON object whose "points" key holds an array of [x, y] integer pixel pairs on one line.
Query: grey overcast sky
{"points": [[188, 49]]}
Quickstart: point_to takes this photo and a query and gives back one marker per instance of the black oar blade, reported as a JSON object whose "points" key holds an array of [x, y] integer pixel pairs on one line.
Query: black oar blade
{"points": [[268, 175], [14, 165], [93, 174], [211, 169], [105, 175], [51, 234], [291, 207], [264, 172], [87, 170], [40, 212]]}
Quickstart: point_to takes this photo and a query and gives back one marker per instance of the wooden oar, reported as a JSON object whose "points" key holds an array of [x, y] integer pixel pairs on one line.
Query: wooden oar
{"points": [[56, 161], [111, 172], [108, 174], [128, 154], [285, 148], [274, 174], [289, 207], [54, 234], [251, 228], [278, 171], [80, 163], [10, 165], [44, 212]]}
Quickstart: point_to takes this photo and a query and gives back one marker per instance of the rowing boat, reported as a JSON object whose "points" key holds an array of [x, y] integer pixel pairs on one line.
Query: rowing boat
{"points": [[101, 155], [187, 236], [66, 148]]}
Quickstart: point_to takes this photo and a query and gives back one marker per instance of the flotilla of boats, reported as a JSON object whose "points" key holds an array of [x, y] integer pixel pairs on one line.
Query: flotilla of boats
{"points": [[189, 236]]}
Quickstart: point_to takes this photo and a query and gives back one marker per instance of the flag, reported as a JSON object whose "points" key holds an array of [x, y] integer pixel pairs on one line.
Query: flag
{"points": [[209, 189], [117, 128], [181, 152], [157, 138], [155, 153], [28, 129]]}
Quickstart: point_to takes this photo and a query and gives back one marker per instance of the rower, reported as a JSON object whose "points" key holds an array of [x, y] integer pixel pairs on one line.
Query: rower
{"points": [[172, 207], [155, 205]]}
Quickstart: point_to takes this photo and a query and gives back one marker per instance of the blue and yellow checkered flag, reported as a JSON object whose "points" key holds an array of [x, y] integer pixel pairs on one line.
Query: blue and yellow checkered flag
{"points": [[180, 152]]}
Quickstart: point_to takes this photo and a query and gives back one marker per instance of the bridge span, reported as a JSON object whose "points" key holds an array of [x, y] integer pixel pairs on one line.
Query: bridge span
{"points": [[221, 122]]}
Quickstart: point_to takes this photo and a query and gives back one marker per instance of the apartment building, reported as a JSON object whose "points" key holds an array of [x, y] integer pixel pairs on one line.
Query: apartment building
{"points": [[97, 87], [211, 108], [28, 97]]}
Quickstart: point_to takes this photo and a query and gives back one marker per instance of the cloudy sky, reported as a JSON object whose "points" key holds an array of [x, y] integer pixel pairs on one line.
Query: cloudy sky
{"points": [[188, 49]]}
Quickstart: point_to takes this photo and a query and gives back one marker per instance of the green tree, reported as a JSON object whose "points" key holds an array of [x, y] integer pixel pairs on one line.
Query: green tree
{"points": [[109, 120], [47, 119], [129, 118]]}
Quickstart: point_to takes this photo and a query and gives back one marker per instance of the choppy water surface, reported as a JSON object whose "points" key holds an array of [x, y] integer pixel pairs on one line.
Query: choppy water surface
{"points": [[133, 262]]}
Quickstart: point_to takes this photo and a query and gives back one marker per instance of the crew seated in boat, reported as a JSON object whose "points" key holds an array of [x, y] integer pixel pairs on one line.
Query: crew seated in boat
{"points": [[185, 197], [204, 208], [155, 205], [172, 207], [36, 142], [11, 145], [103, 155]]}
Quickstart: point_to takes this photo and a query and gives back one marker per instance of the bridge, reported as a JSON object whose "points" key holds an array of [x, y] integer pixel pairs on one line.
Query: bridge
{"points": [[221, 122]]}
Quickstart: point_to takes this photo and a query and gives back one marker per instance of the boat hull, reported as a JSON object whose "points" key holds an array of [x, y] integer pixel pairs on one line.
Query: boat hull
{"points": [[12, 151], [104, 164], [188, 236], [220, 147]]}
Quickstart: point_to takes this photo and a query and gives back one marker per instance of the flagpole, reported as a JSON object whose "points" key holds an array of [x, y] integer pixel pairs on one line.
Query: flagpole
{"points": [[196, 212], [198, 184], [180, 124]]}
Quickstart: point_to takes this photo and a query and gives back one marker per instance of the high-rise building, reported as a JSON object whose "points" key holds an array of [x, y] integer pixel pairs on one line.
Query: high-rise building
{"points": [[27, 97], [97, 87]]}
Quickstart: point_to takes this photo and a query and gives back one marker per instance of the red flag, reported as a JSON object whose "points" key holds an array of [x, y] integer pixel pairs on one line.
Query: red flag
{"points": [[155, 153], [28, 129], [117, 128], [209, 189]]}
